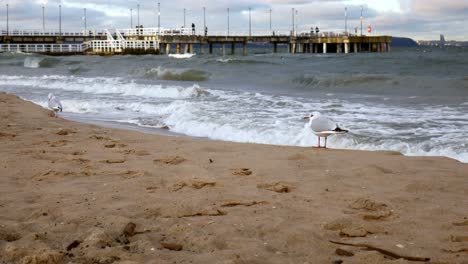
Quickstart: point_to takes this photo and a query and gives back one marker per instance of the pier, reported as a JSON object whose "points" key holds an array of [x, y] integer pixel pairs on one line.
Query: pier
{"points": [[184, 40]]}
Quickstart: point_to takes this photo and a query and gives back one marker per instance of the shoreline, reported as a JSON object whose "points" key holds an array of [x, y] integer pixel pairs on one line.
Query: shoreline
{"points": [[79, 193]]}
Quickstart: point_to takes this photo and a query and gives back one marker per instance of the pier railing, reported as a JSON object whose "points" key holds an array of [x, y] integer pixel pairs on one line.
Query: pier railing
{"points": [[43, 48], [49, 33], [188, 31]]}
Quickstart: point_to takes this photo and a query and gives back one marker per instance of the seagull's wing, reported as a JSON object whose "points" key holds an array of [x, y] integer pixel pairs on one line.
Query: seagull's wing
{"points": [[55, 104]]}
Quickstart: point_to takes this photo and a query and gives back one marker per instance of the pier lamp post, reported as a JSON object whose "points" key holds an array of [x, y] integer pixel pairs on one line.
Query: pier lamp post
{"points": [[138, 14], [293, 19], [271, 32], [228, 22], [361, 19], [84, 18], [250, 22], [159, 18], [7, 19], [43, 18], [204, 18], [131, 17], [60, 19], [346, 21], [297, 20], [184, 17]]}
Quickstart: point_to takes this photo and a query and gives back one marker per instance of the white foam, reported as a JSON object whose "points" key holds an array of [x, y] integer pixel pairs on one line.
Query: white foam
{"points": [[104, 86], [182, 56], [32, 62]]}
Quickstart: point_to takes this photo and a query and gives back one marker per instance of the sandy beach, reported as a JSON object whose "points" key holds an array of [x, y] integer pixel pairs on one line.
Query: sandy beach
{"points": [[79, 193]]}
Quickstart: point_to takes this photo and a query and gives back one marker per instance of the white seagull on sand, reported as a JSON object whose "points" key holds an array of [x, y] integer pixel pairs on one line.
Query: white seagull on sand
{"points": [[54, 104], [323, 127]]}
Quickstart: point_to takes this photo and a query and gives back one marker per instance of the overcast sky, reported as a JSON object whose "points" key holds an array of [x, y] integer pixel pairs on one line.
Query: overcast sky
{"points": [[419, 19]]}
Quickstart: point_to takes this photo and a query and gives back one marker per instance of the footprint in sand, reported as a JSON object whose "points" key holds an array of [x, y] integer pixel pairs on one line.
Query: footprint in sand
{"points": [[375, 210], [195, 185], [65, 132], [59, 143], [171, 160], [114, 161], [134, 152], [7, 135], [279, 187], [241, 172]]}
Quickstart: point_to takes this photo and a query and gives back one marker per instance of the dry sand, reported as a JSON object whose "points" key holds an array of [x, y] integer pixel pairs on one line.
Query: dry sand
{"points": [[78, 193]]}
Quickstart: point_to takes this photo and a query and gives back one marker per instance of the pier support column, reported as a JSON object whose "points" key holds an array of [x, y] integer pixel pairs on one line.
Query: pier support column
{"points": [[293, 49], [210, 48], [202, 48], [168, 48], [275, 47], [300, 48], [315, 48], [187, 48], [179, 48], [388, 47], [244, 48], [223, 47], [324, 48], [355, 48], [346, 48], [190, 48], [338, 48], [233, 48]]}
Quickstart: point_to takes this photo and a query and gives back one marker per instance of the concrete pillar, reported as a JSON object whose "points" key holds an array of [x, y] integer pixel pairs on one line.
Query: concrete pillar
{"points": [[223, 47], [355, 48], [346, 48], [293, 49], [178, 48], [187, 48], [244, 48], [210, 48], [290, 47], [388, 47], [315, 48], [338, 48], [275, 47], [233, 48], [300, 48], [190, 48], [202, 48], [324, 48], [168, 48]]}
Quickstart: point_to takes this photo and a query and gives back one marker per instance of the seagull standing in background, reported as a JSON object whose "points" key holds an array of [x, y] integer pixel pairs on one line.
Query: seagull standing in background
{"points": [[54, 104], [323, 127]]}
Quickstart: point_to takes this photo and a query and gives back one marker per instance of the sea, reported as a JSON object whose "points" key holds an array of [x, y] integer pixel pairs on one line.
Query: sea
{"points": [[410, 100]]}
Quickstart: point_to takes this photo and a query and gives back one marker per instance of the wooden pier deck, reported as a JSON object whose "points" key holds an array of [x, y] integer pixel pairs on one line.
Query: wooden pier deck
{"points": [[157, 42]]}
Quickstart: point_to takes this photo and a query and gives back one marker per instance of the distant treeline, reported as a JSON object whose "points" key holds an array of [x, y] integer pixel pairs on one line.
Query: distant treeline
{"points": [[403, 42]]}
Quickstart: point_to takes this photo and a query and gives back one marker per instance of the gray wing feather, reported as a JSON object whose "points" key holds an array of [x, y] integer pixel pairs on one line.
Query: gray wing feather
{"points": [[55, 104]]}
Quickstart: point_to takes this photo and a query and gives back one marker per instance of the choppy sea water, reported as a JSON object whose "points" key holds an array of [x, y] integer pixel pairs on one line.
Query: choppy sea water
{"points": [[414, 101]]}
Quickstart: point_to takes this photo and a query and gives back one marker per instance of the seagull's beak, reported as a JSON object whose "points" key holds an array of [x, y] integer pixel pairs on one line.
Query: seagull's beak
{"points": [[306, 117]]}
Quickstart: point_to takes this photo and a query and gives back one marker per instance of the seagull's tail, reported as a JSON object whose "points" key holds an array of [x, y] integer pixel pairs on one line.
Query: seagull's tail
{"points": [[340, 130]]}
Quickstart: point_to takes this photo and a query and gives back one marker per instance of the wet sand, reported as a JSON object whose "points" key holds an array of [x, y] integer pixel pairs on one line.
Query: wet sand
{"points": [[79, 193]]}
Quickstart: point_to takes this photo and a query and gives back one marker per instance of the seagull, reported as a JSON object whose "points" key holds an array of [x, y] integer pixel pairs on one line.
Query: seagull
{"points": [[323, 127], [54, 104]]}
